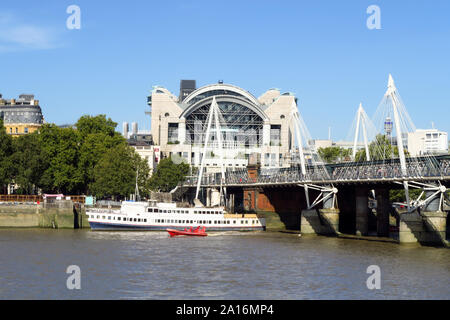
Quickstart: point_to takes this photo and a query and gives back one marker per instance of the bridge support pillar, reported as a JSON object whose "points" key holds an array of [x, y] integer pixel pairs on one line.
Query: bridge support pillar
{"points": [[362, 211], [383, 212], [425, 228], [320, 221]]}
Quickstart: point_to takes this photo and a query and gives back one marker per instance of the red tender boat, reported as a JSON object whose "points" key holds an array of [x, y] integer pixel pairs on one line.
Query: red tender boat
{"points": [[198, 232]]}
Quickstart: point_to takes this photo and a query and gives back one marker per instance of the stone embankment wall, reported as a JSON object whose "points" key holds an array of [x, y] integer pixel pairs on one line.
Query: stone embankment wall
{"points": [[59, 215]]}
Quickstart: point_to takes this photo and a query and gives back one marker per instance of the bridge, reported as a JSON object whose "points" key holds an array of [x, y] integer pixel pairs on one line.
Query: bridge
{"points": [[314, 197]]}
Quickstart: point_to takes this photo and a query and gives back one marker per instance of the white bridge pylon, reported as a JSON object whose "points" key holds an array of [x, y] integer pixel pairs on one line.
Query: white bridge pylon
{"points": [[362, 123], [303, 139], [213, 113]]}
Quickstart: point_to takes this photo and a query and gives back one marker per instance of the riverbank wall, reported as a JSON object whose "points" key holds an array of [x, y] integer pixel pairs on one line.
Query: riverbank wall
{"points": [[62, 214]]}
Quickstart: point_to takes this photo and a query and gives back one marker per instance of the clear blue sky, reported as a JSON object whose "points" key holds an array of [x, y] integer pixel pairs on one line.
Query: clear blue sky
{"points": [[320, 50]]}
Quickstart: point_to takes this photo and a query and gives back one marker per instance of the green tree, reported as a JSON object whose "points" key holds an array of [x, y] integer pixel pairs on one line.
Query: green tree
{"points": [[96, 124], [98, 135], [334, 154], [168, 175], [398, 195], [6, 150], [115, 173], [379, 149], [28, 162], [60, 148]]}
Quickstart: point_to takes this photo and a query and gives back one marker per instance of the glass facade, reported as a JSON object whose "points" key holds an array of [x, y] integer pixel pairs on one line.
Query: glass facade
{"points": [[240, 126]]}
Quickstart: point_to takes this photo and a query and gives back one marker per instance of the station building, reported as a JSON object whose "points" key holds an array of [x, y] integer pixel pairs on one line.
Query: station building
{"points": [[21, 116], [249, 125]]}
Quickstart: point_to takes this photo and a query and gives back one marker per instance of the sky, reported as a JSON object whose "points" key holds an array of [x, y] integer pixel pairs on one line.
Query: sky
{"points": [[321, 50]]}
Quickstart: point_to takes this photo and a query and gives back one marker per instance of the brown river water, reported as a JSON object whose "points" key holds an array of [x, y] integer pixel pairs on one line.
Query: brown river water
{"points": [[260, 265]]}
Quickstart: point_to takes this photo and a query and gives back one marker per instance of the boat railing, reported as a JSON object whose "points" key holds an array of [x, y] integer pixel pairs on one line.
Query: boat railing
{"points": [[104, 210]]}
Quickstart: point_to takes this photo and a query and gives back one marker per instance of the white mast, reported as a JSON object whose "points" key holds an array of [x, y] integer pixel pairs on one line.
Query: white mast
{"points": [[296, 122], [213, 113], [361, 120], [358, 117], [219, 141], [391, 92], [203, 155]]}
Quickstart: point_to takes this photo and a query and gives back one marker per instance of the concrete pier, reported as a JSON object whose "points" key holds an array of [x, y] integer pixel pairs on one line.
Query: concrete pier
{"points": [[320, 221], [362, 211], [383, 212], [60, 215], [425, 228]]}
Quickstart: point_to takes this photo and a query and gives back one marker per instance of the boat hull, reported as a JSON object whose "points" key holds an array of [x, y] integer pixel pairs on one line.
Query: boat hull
{"points": [[130, 227], [174, 233]]}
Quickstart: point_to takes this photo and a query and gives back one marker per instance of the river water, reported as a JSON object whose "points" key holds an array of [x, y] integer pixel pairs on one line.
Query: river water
{"points": [[262, 265]]}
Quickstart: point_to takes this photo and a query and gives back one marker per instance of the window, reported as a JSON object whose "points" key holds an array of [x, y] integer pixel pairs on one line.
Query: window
{"points": [[172, 134], [25, 130], [150, 210], [275, 131], [119, 218]]}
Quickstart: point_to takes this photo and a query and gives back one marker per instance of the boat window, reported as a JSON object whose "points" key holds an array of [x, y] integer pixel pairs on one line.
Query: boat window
{"points": [[145, 220], [246, 221], [119, 218], [155, 210], [139, 220], [103, 217], [150, 210], [164, 211], [195, 211], [169, 211], [109, 217], [134, 219], [98, 217], [210, 222]]}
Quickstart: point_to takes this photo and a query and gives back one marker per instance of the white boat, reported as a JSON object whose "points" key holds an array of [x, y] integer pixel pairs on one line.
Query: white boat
{"points": [[160, 216]]}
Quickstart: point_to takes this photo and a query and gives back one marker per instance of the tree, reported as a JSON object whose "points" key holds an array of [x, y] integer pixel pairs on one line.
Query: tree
{"points": [[60, 148], [98, 135], [115, 173], [96, 124], [28, 162], [6, 151], [379, 149], [333, 154], [398, 195], [168, 175]]}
